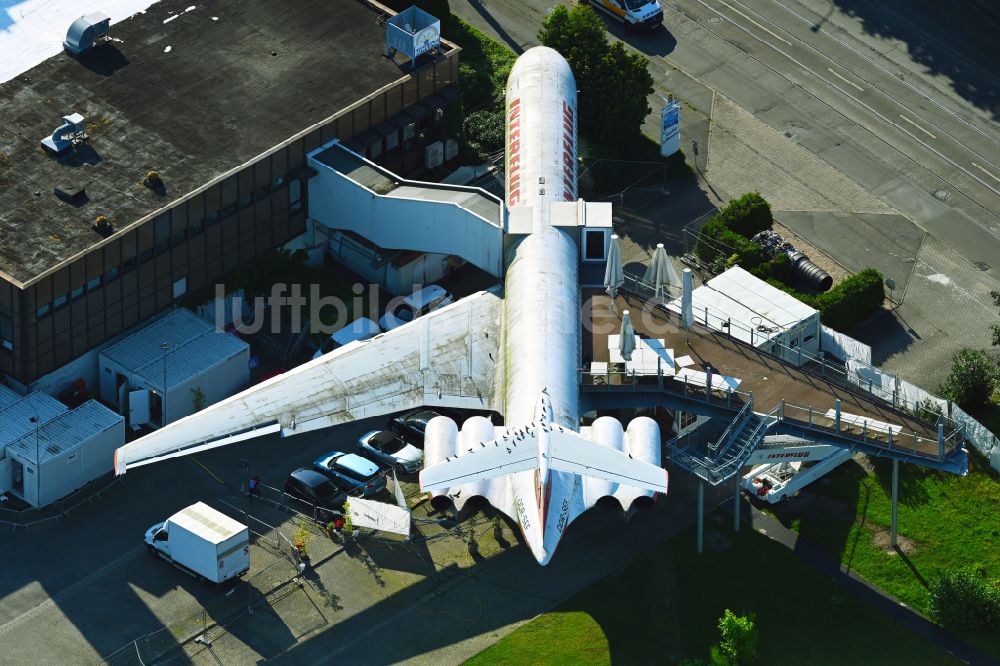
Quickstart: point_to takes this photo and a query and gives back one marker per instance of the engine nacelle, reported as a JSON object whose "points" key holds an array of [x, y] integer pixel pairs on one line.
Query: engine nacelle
{"points": [[440, 442], [606, 431], [475, 430], [642, 442]]}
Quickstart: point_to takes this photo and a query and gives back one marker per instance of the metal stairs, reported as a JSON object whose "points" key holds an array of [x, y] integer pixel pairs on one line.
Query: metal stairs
{"points": [[718, 459]]}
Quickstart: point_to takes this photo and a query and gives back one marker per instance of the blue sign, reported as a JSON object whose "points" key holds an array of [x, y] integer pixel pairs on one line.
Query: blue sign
{"points": [[670, 128]]}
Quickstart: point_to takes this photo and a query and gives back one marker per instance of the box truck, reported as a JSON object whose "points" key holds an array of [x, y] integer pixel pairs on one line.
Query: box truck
{"points": [[203, 542]]}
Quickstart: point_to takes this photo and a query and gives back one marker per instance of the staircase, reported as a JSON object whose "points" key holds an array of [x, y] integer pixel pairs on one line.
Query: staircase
{"points": [[720, 460]]}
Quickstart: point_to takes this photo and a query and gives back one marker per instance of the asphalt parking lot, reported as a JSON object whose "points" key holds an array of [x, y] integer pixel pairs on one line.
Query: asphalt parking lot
{"points": [[85, 589]]}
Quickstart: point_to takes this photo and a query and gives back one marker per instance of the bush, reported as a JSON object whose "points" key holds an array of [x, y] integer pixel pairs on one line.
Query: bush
{"points": [[751, 255], [964, 599], [763, 272], [808, 299], [781, 268], [851, 300], [973, 379], [747, 215], [739, 639]]}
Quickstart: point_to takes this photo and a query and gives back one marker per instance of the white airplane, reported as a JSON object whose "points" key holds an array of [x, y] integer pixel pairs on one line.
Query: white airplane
{"points": [[519, 356]]}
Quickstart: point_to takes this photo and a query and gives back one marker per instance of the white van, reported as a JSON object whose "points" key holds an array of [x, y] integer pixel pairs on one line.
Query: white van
{"points": [[418, 303], [359, 329]]}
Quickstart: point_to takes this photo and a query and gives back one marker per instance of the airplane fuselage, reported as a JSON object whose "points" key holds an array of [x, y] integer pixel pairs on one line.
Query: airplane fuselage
{"points": [[542, 320]]}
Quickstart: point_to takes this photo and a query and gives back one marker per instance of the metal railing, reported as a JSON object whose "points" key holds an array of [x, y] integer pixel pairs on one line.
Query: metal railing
{"points": [[52, 513], [733, 428], [721, 466]]}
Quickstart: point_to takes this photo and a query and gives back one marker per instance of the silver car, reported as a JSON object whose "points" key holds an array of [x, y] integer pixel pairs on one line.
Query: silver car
{"points": [[387, 448]]}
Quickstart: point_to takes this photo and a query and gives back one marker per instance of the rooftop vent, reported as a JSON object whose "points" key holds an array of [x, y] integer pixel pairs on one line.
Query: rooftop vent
{"points": [[67, 135], [413, 32], [72, 193], [85, 31], [103, 226]]}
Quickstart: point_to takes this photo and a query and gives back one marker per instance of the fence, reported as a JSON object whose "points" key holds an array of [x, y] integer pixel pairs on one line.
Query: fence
{"points": [[52, 513], [264, 588]]}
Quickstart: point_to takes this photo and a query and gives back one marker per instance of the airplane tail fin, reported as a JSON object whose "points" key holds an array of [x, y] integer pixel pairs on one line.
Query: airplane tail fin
{"points": [[517, 450]]}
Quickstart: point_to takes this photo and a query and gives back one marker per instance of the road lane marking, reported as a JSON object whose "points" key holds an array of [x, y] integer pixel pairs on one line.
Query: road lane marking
{"points": [[776, 36], [917, 126], [986, 172], [847, 81]]}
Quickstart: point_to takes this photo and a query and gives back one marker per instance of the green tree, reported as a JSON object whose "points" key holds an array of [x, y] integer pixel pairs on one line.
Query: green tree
{"points": [[739, 639], [613, 83], [973, 379]]}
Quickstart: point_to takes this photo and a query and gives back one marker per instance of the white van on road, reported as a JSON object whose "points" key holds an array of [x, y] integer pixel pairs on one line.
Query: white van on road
{"points": [[359, 329]]}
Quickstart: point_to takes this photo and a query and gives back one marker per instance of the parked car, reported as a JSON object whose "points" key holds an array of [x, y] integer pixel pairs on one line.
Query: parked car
{"points": [[385, 446], [314, 490], [410, 427], [357, 476], [418, 303], [359, 329]]}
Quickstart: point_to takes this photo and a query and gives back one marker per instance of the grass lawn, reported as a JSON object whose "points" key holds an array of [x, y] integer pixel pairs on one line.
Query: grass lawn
{"points": [[664, 607], [944, 521]]}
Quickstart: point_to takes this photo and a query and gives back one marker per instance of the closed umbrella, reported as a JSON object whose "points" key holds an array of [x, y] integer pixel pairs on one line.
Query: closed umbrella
{"points": [[614, 274], [626, 339], [660, 273]]}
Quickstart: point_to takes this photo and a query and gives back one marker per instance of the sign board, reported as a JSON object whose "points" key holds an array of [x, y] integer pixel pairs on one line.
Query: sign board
{"points": [[670, 128], [413, 32], [379, 516]]}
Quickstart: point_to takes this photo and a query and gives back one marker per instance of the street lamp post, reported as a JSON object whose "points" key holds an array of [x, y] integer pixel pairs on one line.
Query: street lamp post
{"points": [[38, 462], [163, 398]]}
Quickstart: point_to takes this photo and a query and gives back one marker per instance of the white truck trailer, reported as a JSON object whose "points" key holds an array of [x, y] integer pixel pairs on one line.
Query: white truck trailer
{"points": [[203, 542], [789, 465]]}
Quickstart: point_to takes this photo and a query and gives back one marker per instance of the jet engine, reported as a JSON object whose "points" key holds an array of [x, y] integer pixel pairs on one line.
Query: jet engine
{"points": [[642, 442]]}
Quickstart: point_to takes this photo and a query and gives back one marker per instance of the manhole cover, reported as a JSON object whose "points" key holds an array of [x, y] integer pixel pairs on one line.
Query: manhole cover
{"points": [[981, 265], [715, 19], [942, 195]]}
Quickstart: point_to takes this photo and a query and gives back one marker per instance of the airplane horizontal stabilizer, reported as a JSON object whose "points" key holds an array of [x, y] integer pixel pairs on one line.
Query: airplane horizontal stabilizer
{"points": [[481, 462], [572, 452]]}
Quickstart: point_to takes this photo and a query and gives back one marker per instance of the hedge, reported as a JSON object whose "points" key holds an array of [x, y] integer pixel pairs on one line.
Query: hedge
{"points": [[851, 300]]}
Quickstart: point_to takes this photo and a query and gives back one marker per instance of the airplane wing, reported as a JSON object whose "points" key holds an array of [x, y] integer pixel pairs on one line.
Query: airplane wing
{"points": [[481, 462], [572, 452], [446, 358]]}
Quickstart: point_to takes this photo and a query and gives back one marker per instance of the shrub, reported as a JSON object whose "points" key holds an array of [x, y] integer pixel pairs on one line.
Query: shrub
{"points": [[851, 300], [781, 268], [747, 215], [484, 130], [973, 378], [764, 272], [965, 599], [739, 639], [808, 299], [751, 255]]}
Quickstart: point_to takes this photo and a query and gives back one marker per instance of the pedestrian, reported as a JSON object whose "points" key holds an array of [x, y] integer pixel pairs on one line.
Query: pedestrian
{"points": [[254, 487]]}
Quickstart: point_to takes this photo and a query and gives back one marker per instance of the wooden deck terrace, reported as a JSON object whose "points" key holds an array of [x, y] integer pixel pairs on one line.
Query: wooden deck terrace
{"points": [[807, 397]]}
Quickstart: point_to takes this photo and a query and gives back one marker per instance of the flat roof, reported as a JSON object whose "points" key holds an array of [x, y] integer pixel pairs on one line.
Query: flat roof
{"points": [[193, 347], [8, 396], [16, 418], [69, 430], [190, 94]]}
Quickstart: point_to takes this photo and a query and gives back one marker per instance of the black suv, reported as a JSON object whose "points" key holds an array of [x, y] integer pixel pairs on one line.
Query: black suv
{"points": [[410, 427], [315, 492]]}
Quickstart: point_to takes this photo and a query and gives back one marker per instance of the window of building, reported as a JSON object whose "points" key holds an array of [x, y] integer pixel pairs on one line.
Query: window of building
{"points": [[295, 195], [180, 287], [594, 245], [808, 338], [6, 332], [391, 141], [278, 182], [246, 200], [94, 283], [42, 311], [59, 302], [794, 343], [111, 274], [375, 150], [76, 293]]}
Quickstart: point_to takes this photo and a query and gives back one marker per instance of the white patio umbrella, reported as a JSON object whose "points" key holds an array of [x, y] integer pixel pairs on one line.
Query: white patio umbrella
{"points": [[614, 274], [660, 273], [626, 338]]}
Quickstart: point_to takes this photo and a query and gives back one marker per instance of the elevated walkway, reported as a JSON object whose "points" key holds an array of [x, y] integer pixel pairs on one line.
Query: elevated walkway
{"points": [[350, 193], [823, 411]]}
